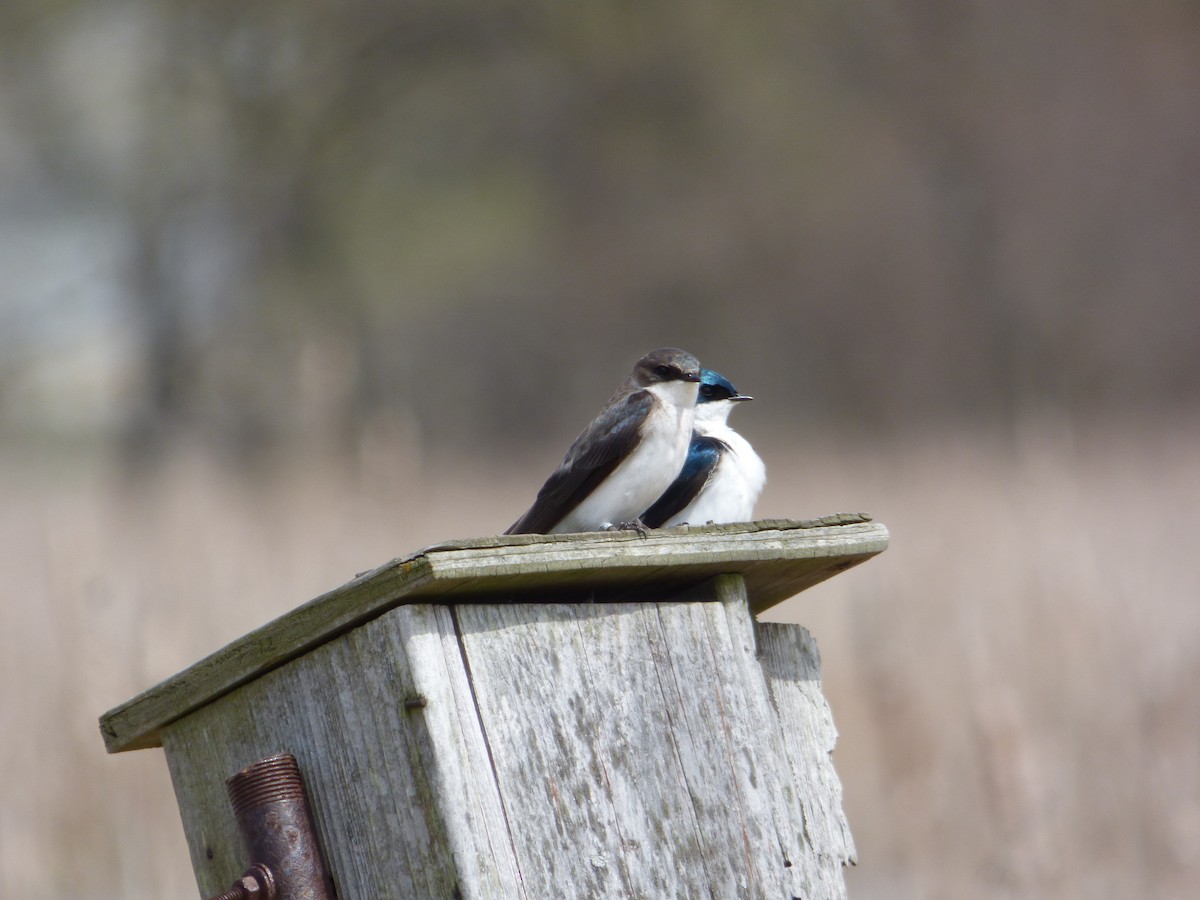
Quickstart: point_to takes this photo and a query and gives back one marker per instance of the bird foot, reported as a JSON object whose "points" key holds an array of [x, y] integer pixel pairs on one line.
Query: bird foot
{"points": [[636, 525]]}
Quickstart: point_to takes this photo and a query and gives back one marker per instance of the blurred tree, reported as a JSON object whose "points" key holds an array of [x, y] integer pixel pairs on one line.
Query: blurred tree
{"points": [[345, 213]]}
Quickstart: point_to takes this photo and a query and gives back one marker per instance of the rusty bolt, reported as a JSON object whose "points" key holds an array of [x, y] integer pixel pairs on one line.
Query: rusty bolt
{"points": [[256, 883]]}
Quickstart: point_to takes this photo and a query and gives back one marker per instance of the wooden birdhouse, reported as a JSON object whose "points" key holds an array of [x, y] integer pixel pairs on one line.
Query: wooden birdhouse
{"points": [[586, 715]]}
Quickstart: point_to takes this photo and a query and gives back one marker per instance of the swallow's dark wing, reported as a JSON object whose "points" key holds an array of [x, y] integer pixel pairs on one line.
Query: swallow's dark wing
{"points": [[703, 455], [610, 437]]}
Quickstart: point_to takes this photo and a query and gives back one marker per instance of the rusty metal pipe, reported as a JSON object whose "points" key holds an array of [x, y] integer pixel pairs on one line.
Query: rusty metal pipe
{"points": [[273, 815]]}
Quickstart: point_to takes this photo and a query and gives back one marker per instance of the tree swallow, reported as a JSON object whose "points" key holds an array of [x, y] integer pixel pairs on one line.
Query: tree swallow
{"points": [[722, 476], [627, 457]]}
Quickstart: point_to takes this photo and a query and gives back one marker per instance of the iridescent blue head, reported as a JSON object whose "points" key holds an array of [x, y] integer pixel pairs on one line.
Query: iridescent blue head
{"points": [[715, 386]]}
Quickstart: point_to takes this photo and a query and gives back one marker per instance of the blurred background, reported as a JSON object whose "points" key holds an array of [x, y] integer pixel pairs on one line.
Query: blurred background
{"points": [[292, 289]]}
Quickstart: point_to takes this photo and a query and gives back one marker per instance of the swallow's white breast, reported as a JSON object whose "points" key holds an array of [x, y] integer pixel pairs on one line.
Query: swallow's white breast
{"points": [[648, 471]]}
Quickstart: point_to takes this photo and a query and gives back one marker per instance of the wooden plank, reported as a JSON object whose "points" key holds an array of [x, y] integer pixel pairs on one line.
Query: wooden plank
{"points": [[638, 750], [777, 558], [792, 667], [578, 731], [404, 800], [456, 757], [720, 736]]}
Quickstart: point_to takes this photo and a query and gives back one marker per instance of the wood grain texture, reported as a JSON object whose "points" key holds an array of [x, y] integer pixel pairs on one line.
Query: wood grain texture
{"points": [[821, 844], [777, 559], [403, 800], [666, 748]]}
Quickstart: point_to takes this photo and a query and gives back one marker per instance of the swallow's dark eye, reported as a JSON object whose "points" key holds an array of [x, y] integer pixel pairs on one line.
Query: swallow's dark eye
{"points": [[663, 371], [707, 390]]}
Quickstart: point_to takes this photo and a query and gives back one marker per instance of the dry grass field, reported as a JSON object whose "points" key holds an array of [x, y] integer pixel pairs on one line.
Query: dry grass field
{"points": [[1016, 681]]}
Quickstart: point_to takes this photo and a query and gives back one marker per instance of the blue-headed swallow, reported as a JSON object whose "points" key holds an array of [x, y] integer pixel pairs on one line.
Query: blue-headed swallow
{"points": [[722, 476]]}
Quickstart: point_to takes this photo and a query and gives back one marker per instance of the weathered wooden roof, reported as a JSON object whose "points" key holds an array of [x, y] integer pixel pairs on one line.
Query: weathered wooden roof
{"points": [[778, 558]]}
